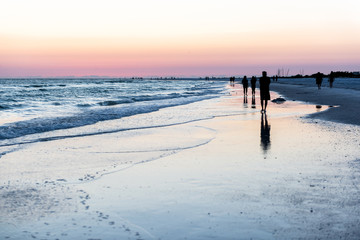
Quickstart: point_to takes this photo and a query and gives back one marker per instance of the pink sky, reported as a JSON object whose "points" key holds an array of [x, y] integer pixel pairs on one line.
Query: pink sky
{"points": [[178, 39]]}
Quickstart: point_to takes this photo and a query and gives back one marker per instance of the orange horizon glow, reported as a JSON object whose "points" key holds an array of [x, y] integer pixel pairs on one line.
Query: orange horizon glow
{"points": [[231, 47]]}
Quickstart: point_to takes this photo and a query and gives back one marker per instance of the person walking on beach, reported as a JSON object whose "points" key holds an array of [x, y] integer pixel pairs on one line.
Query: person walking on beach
{"points": [[232, 81], [245, 84], [319, 80], [253, 85], [264, 91], [331, 79]]}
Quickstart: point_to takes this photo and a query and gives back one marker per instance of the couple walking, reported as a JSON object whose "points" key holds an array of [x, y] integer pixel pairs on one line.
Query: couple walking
{"points": [[264, 89], [245, 84]]}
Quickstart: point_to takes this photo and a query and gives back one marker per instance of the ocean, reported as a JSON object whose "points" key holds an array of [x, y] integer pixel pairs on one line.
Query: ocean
{"points": [[42, 109], [105, 159]]}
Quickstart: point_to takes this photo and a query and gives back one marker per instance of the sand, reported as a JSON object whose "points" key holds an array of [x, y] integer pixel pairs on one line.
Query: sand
{"points": [[346, 101], [227, 181]]}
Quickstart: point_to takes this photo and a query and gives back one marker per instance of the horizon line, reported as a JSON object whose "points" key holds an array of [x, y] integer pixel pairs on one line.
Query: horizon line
{"points": [[163, 76]]}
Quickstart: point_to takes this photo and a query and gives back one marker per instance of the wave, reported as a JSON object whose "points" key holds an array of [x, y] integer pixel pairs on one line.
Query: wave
{"points": [[90, 116], [114, 102], [146, 98], [39, 85], [84, 105], [119, 81], [10, 106], [84, 102]]}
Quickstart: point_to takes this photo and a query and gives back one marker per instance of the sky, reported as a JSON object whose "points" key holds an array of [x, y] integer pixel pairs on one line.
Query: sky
{"points": [[182, 38]]}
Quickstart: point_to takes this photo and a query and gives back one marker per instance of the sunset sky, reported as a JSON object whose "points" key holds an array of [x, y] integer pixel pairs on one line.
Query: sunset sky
{"points": [[177, 37]]}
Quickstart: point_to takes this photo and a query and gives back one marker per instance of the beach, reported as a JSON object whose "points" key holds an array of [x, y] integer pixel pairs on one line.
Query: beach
{"points": [[290, 174], [343, 101]]}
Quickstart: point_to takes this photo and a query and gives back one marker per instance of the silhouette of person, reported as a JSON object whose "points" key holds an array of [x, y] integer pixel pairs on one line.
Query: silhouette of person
{"points": [[264, 132], [232, 81], [253, 85], [245, 84], [264, 91], [319, 80], [331, 79]]}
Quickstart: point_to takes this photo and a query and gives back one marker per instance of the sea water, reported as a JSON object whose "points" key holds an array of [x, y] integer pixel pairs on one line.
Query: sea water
{"points": [[80, 129], [40, 109], [59, 134], [35, 108]]}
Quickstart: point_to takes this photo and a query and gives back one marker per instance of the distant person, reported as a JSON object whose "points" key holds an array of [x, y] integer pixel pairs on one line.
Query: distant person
{"points": [[276, 78], [319, 80], [265, 132], [232, 81], [264, 91], [253, 85], [245, 84], [331, 79]]}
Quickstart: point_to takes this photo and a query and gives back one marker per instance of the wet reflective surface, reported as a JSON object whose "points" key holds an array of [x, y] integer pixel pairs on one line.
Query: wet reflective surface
{"points": [[278, 175], [265, 132]]}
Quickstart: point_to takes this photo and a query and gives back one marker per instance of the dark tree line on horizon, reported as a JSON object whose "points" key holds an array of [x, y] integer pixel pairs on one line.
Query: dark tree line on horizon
{"points": [[336, 74]]}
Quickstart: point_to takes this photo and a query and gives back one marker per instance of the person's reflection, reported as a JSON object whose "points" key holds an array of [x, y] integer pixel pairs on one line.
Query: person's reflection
{"points": [[265, 133], [253, 103], [245, 101]]}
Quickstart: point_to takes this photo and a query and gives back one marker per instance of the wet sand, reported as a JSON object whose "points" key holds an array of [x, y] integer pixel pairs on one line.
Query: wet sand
{"points": [[294, 178], [347, 101]]}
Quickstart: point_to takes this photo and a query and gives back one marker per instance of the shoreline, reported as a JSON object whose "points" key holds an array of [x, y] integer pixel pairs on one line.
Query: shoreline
{"points": [[240, 183], [344, 101]]}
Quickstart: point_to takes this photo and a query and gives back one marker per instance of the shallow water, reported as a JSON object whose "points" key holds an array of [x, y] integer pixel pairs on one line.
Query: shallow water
{"points": [[74, 156], [211, 177], [36, 106]]}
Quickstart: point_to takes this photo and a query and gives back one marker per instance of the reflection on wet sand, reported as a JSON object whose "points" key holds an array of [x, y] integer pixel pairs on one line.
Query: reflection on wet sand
{"points": [[245, 101], [253, 103], [265, 133]]}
